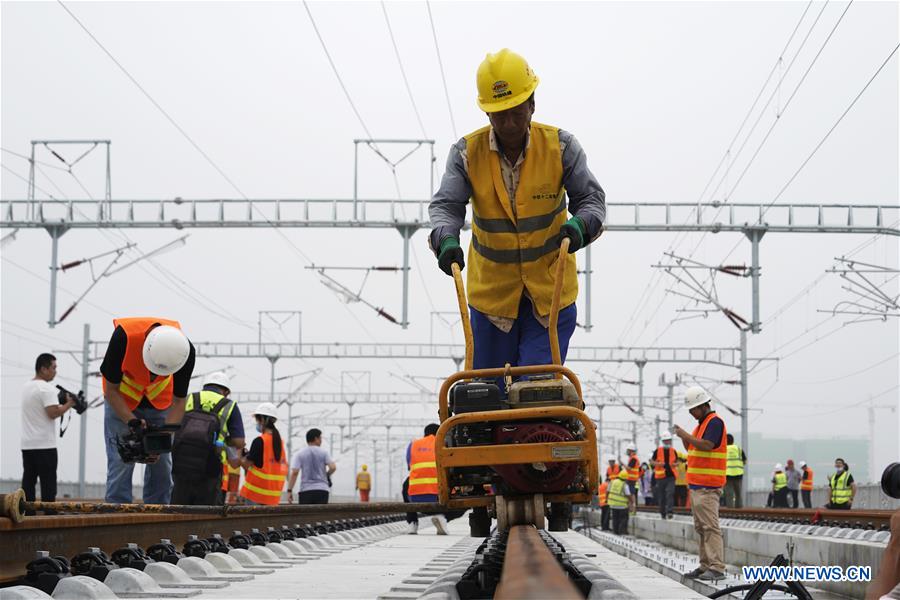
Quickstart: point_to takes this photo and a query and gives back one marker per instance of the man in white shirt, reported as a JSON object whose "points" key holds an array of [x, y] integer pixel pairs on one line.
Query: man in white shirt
{"points": [[40, 408], [317, 467]]}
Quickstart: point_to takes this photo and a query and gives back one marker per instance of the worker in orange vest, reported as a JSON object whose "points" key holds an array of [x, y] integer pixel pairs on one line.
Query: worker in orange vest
{"points": [[364, 483], [806, 484], [146, 374], [266, 462], [663, 463], [604, 504], [612, 471], [707, 463], [632, 470], [422, 483]]}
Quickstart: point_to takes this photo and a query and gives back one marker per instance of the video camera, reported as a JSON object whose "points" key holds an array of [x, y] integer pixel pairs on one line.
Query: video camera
{"points": [[144, 441], [81, 404]]}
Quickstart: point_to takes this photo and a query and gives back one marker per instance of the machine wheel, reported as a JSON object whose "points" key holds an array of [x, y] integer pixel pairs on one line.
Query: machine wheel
{"points": [[560, 516], [479, 522], [519, 510]]}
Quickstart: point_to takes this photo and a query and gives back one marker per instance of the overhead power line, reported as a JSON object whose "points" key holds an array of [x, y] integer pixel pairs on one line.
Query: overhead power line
{"points": [[412, 99], [437, 49]]}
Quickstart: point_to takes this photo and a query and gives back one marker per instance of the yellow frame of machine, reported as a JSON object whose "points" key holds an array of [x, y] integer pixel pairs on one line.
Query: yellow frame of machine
{"points": [[509, 454]]}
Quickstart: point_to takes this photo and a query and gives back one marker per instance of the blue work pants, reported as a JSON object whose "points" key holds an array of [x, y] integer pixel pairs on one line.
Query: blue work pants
{"points": [[527, 343]]}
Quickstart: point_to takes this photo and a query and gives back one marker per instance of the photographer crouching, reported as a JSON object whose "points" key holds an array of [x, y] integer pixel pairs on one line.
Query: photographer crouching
{"points": [[42, 404], [146, 372]]}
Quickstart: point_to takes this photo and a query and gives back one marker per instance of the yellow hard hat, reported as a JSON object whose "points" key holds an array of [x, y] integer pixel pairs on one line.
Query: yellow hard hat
{"points": [[364, 467], [623, 475], [504, 81]]}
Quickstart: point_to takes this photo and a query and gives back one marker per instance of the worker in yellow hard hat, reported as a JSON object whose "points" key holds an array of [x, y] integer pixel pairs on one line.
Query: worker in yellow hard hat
{"points": [[523, 178], [364, 483]]}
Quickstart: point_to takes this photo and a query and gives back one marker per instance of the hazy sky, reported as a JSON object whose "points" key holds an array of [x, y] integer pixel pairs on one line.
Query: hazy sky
{"points": [[654, 92]]}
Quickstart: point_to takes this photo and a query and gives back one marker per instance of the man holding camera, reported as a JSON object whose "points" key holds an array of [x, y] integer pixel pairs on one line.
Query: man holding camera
{"points": [[146, 373], [40, 408]]}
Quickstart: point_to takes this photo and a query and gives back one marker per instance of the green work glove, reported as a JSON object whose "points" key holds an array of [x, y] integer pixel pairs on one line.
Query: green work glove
{"points": [[450, 253], [573, 229]]}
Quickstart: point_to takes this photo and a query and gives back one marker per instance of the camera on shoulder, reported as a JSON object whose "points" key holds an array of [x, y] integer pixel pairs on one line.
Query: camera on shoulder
{"points": [[64, 395]]}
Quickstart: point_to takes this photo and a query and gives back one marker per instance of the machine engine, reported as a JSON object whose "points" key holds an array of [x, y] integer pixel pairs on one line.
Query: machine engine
{"points": [[526, 478]]}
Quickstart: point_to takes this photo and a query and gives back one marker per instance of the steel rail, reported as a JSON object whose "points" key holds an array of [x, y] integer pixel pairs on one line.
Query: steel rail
{"points": [[530, 571], [863, 519], [70, 534]]}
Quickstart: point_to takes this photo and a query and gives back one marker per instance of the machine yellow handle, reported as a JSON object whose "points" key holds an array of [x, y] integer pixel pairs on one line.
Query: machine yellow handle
{"points": [[463, 314], [554, 305]]}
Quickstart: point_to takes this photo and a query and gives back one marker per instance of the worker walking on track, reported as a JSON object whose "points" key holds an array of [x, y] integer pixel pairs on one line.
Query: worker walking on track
{"points": [[146, 373], [663, 463], [621, 502], [211, 422], [517, 173], [266, 462], [734, 475], [706, 466], [422, 484], [364, 483], [316, 466], [806, 484]]}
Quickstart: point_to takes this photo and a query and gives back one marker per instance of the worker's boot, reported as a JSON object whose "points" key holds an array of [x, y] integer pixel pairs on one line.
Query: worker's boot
{"points": [[413, 528]]}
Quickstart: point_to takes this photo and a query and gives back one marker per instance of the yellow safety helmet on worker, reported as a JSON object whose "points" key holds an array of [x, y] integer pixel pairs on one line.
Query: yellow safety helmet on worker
{"points": [[504, 81]]}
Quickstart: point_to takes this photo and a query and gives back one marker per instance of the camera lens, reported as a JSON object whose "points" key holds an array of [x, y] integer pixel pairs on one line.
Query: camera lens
{"points": [[890, 480]]}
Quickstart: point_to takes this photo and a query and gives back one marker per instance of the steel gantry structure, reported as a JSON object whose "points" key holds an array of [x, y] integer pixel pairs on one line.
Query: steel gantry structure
{"points": [[752, 220]]}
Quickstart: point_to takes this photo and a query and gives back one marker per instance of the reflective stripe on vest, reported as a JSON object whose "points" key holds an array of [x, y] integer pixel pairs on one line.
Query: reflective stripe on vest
{"points": [[707, 468], [840, 490], [136, 383], [602, 492], [523, 231], [807, 484], [634, 469], [617, 495], [422, 467], [612, 472], [735, 464], [780, 481], [659, 471], [265, 485]]}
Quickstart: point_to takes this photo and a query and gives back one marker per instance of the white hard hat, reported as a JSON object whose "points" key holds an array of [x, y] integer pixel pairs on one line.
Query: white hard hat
{"points": [[665, 436], [695, 396], [802, 463], [779, 467], [219, 378], [631, 448], [266, 409], [166, 349]]}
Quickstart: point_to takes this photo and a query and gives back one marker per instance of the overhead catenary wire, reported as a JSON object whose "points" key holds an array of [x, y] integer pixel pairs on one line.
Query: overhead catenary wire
{"points": [[437, 49], [658, 277], [412, 98]]}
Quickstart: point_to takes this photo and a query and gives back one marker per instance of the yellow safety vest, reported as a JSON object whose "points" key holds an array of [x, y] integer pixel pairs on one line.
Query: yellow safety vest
{"points": [[514, 243], [735, 466], [840, 490], [363, 480], [780, 481], [616, 494]]}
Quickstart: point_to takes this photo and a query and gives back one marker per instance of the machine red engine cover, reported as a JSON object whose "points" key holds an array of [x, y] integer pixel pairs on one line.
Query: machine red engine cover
{"points": [[527, 478]]}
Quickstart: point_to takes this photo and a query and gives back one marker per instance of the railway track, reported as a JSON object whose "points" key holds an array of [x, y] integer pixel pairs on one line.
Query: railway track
{"points": [[860, 519], [526, 563]]}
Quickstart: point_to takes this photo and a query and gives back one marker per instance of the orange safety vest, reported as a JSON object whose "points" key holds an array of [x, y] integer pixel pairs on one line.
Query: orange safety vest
{"points": [[659, 472], [807, 484], [265, 485], [136, 381], [634, 469], [602, 492], [613, 471], [422, 467], [707, 468]]}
